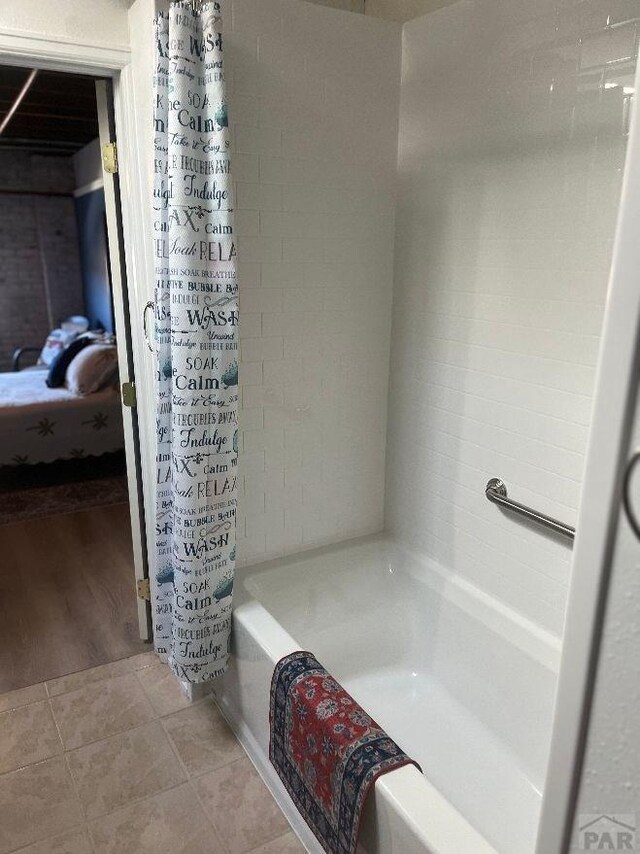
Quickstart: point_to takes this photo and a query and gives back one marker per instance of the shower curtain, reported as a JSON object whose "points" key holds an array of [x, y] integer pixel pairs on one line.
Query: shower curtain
{"points": [[196, 311]]}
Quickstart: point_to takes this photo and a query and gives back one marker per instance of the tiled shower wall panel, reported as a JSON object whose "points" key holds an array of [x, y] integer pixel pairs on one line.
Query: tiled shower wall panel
{"points": [[314, 96], [512, 142]]}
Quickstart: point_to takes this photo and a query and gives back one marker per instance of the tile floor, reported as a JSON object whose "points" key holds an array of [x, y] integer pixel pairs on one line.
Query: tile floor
{"points": [[115, 760]]}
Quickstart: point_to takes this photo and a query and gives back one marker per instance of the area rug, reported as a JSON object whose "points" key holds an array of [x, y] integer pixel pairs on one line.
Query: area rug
{"points": [[68, 486], [326, 749], [65, 498]]}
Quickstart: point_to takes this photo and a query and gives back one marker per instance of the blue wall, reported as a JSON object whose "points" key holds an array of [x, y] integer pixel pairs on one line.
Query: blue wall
{"points": [[94, 259]]}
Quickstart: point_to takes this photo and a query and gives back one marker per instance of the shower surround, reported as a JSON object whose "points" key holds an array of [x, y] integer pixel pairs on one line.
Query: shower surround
{"points": [[313, 104], [510, 149], [505, 222]]}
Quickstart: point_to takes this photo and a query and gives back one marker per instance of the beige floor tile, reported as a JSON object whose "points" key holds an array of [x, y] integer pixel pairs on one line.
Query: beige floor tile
{"points": [[76, 842], [36, 802], [145, 659], [287, 844], [172, 822], [66, 684], [22, 697], [240, 806], [202, 737], [135, 764], [163, 689], [73, 681], [27, 735], [100, 710]]}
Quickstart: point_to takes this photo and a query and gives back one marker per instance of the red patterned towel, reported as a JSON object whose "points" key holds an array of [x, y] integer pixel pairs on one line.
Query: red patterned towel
{"points": [[326, 749]]}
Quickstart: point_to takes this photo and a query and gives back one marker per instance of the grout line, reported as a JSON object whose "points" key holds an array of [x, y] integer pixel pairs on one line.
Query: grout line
{"points": [[147, 693], [541, 544], [533, 572], [55, 723], [278, 838], [425, 445], [575, 303], [92, 843], [496, 426], [132, 802], [46, 682], [497, 401], [207, 813], [209, 698], [72, 829], [498, 456], [191, 779], [510, 353], [102, 738], [75, 786], [190, 775], [23, 705], [436, 312]]}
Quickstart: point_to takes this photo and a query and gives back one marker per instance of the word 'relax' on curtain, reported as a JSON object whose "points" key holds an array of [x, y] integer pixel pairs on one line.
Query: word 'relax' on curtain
{"points": [[197, 346]]}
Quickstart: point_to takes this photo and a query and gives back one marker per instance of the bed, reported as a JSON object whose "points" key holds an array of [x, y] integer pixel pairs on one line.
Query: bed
{"points": [[41, 425]]}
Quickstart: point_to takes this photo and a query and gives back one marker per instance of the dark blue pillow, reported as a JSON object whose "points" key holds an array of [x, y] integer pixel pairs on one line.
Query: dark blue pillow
{"points": [[58, 368]]}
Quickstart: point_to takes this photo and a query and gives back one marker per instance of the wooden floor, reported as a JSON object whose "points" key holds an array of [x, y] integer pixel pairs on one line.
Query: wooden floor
{"points": [[67, 595]]}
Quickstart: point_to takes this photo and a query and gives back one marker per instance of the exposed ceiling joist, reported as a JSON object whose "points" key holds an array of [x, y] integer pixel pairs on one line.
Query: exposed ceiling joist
{"points": [[56, 115]]}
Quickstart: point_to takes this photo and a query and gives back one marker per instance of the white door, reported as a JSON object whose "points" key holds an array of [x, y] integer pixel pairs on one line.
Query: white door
{"points": [[104, 98]]}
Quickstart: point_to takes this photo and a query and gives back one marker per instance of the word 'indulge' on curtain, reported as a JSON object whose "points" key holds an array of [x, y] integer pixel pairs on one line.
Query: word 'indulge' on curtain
{"points": [[197, 346]]}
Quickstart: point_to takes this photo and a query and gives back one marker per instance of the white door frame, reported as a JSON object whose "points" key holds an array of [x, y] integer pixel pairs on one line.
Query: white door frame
{"points": [[61, 54], [612, 420]]}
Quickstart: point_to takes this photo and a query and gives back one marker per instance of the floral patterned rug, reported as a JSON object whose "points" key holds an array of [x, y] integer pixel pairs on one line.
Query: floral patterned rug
{"points": [[327, 750]]}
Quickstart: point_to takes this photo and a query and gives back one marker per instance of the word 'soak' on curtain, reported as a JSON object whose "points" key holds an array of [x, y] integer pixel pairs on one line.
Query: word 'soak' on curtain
{"points": [[197, 346]]}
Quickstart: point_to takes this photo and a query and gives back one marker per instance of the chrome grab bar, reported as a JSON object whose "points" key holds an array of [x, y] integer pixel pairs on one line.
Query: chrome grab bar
{"points": [[496, 492]]}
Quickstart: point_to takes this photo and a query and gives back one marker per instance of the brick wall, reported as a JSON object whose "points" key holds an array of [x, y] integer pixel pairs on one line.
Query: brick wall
{"points": [[40, 281]]}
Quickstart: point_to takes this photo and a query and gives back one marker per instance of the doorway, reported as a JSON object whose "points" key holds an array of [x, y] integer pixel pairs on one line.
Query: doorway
{"points": [[71, 512]]}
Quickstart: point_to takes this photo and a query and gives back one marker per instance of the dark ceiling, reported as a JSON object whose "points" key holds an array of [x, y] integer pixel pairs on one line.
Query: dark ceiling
{"points": [[58, 113]]}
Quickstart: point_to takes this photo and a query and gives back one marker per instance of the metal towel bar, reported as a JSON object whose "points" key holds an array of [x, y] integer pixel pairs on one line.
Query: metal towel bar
{"points": [[496, 492]]}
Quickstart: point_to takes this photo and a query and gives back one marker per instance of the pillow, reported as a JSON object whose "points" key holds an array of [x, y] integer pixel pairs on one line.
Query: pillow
{"points": [[92, 368], [56, 342], [58, 368], [77, 323]]}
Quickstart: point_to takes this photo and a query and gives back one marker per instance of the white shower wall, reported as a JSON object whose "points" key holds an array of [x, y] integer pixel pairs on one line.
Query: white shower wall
{"points": [[313, 103], [510, 161], [511, 153]]}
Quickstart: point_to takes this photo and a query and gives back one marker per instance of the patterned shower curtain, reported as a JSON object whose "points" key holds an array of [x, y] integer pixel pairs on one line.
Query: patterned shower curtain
{"points": [[197, 346]]}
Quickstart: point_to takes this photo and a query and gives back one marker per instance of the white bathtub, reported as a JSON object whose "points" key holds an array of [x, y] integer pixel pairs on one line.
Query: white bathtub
{"points": [[463, 684]]}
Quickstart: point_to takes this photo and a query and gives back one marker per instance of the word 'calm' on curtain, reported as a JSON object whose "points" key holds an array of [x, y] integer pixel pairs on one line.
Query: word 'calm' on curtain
{"points": [[197, 346]]}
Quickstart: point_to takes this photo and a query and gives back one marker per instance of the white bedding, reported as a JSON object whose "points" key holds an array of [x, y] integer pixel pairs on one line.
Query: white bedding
{"points": [[40, 424]]}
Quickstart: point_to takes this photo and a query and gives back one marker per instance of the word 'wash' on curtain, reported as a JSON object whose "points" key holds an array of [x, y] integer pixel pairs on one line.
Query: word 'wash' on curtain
{"points": [[197, 346]]}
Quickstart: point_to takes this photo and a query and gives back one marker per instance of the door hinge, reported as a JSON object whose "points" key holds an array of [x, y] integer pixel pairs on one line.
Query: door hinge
{"points": [[129, 395], [110, 157], [144, 591]]}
